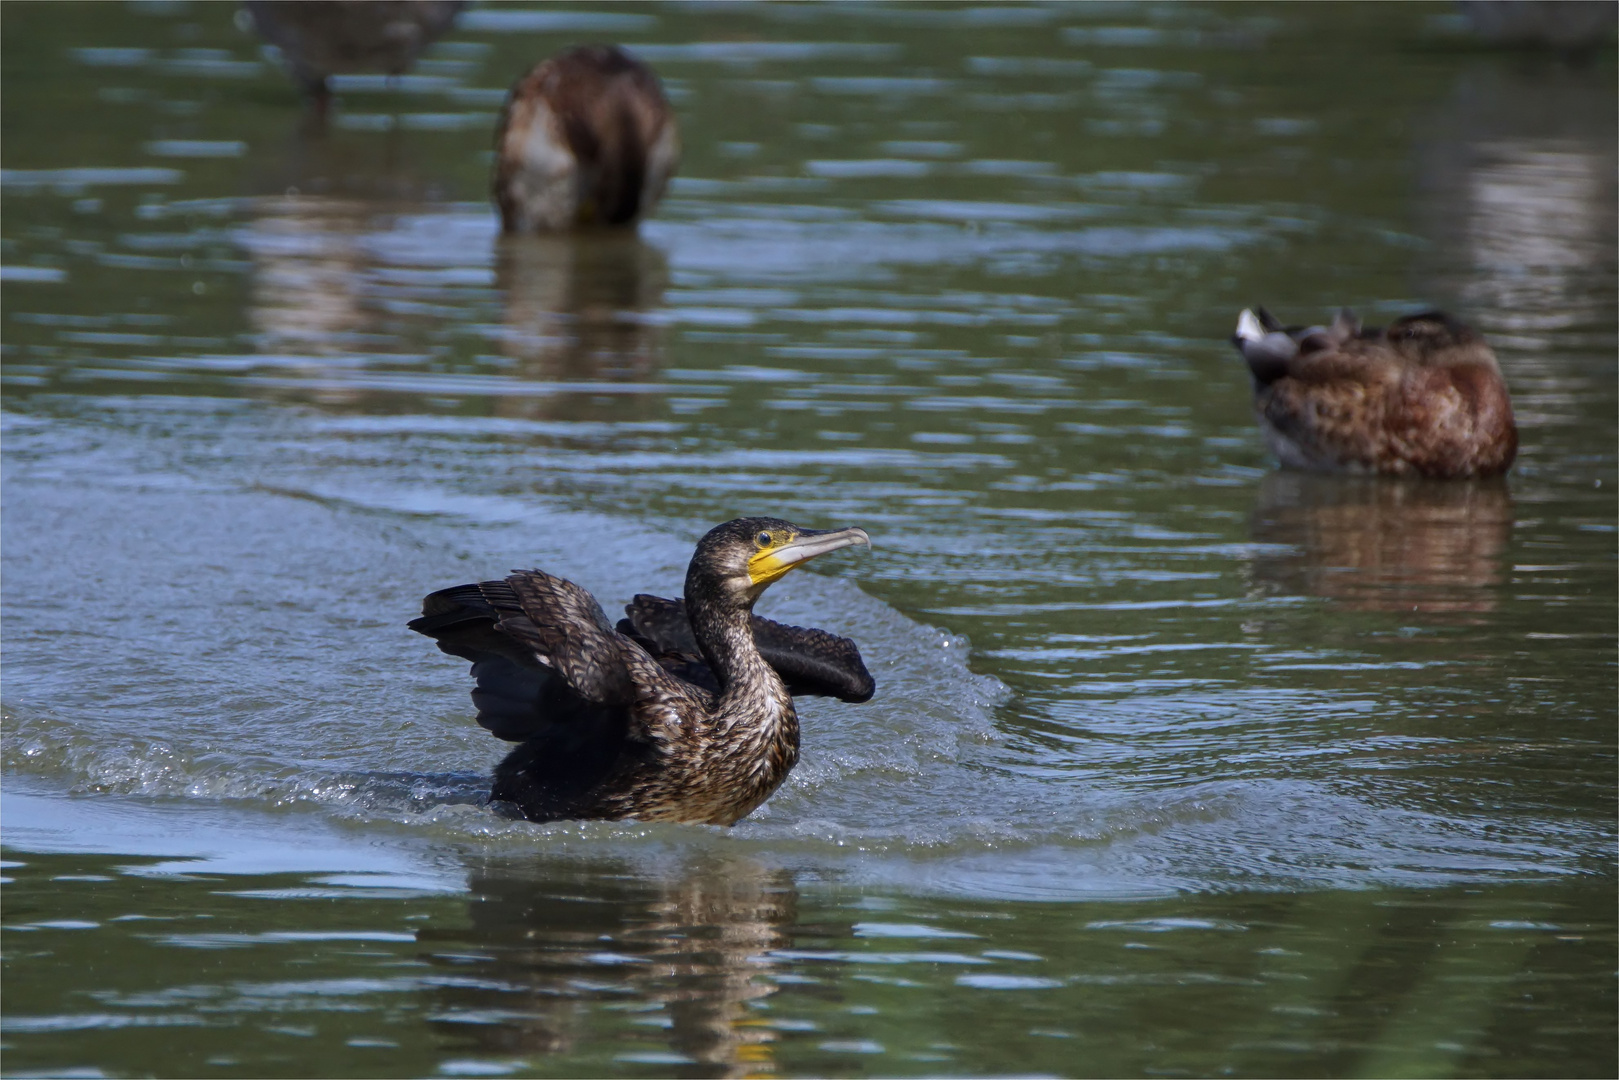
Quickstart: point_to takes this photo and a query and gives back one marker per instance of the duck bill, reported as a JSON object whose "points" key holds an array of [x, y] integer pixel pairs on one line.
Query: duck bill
{"points": [[1249, 328], [767, 566]]}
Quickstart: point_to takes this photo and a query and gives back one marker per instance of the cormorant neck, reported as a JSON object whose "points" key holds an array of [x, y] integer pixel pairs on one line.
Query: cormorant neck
{"points": [[752, 726], [724, 632]]}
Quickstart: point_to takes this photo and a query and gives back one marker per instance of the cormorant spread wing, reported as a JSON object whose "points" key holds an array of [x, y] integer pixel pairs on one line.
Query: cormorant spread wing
{"points": [[542, 652], [813, 663]]}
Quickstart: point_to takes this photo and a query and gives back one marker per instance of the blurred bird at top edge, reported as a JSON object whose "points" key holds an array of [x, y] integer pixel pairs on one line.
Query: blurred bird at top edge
{"points": [[321, 38]]}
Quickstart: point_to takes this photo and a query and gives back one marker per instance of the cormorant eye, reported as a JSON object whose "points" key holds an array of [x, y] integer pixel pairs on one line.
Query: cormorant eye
{"points": [[764, 540]]}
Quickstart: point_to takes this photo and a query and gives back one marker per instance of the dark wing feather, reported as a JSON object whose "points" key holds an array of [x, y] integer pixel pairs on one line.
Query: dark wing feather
{"points": [[543, 655], [811, 662], [553, 675], [569, 632], [510, 682]]}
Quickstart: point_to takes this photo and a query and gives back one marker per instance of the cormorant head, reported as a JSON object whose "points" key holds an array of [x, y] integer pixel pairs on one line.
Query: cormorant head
{"points": [[735, 562]]}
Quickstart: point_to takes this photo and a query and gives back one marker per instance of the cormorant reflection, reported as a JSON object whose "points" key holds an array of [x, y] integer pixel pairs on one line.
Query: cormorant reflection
{"points": [[549, 945], [1381, 544]]}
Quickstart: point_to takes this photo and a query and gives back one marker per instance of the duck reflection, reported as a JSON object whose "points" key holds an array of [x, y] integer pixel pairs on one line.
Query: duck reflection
{"points": [[1382, 544], [355, 301], [308, 258], [548, 946], [333, 225], [344, 310], [579, 308]]}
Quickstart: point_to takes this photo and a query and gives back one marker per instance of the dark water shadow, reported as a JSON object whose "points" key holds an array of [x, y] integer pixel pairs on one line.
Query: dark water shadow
{"points": [[1383, 544], [550, 941]]}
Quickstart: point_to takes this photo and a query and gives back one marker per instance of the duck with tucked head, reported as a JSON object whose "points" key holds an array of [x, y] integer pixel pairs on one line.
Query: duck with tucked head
{"points": [[586, 138], [683, 712], [1422, 397]]}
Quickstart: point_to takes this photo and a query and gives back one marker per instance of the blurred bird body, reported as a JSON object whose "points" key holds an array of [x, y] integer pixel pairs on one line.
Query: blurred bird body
{"points": [[321, 38], [1557, 24], [586, 138], [1423, 397]]}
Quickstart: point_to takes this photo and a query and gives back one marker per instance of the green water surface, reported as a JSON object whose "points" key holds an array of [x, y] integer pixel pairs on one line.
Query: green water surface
{"points": [[1179, 764]]}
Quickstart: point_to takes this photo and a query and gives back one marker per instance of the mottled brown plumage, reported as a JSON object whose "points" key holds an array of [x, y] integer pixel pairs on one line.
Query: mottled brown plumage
{"points": [[703, 731], [1423, 397], [585, 138]]}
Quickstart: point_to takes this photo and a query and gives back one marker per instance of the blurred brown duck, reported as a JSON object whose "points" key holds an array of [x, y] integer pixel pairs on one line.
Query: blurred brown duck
{"points": [[1423, 397], [321, 38], [684, 712], [586, 138]]}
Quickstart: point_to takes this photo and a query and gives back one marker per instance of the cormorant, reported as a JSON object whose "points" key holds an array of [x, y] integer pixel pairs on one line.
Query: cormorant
{"points": [[684, 712], [585, 138], [1423, 397]]}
